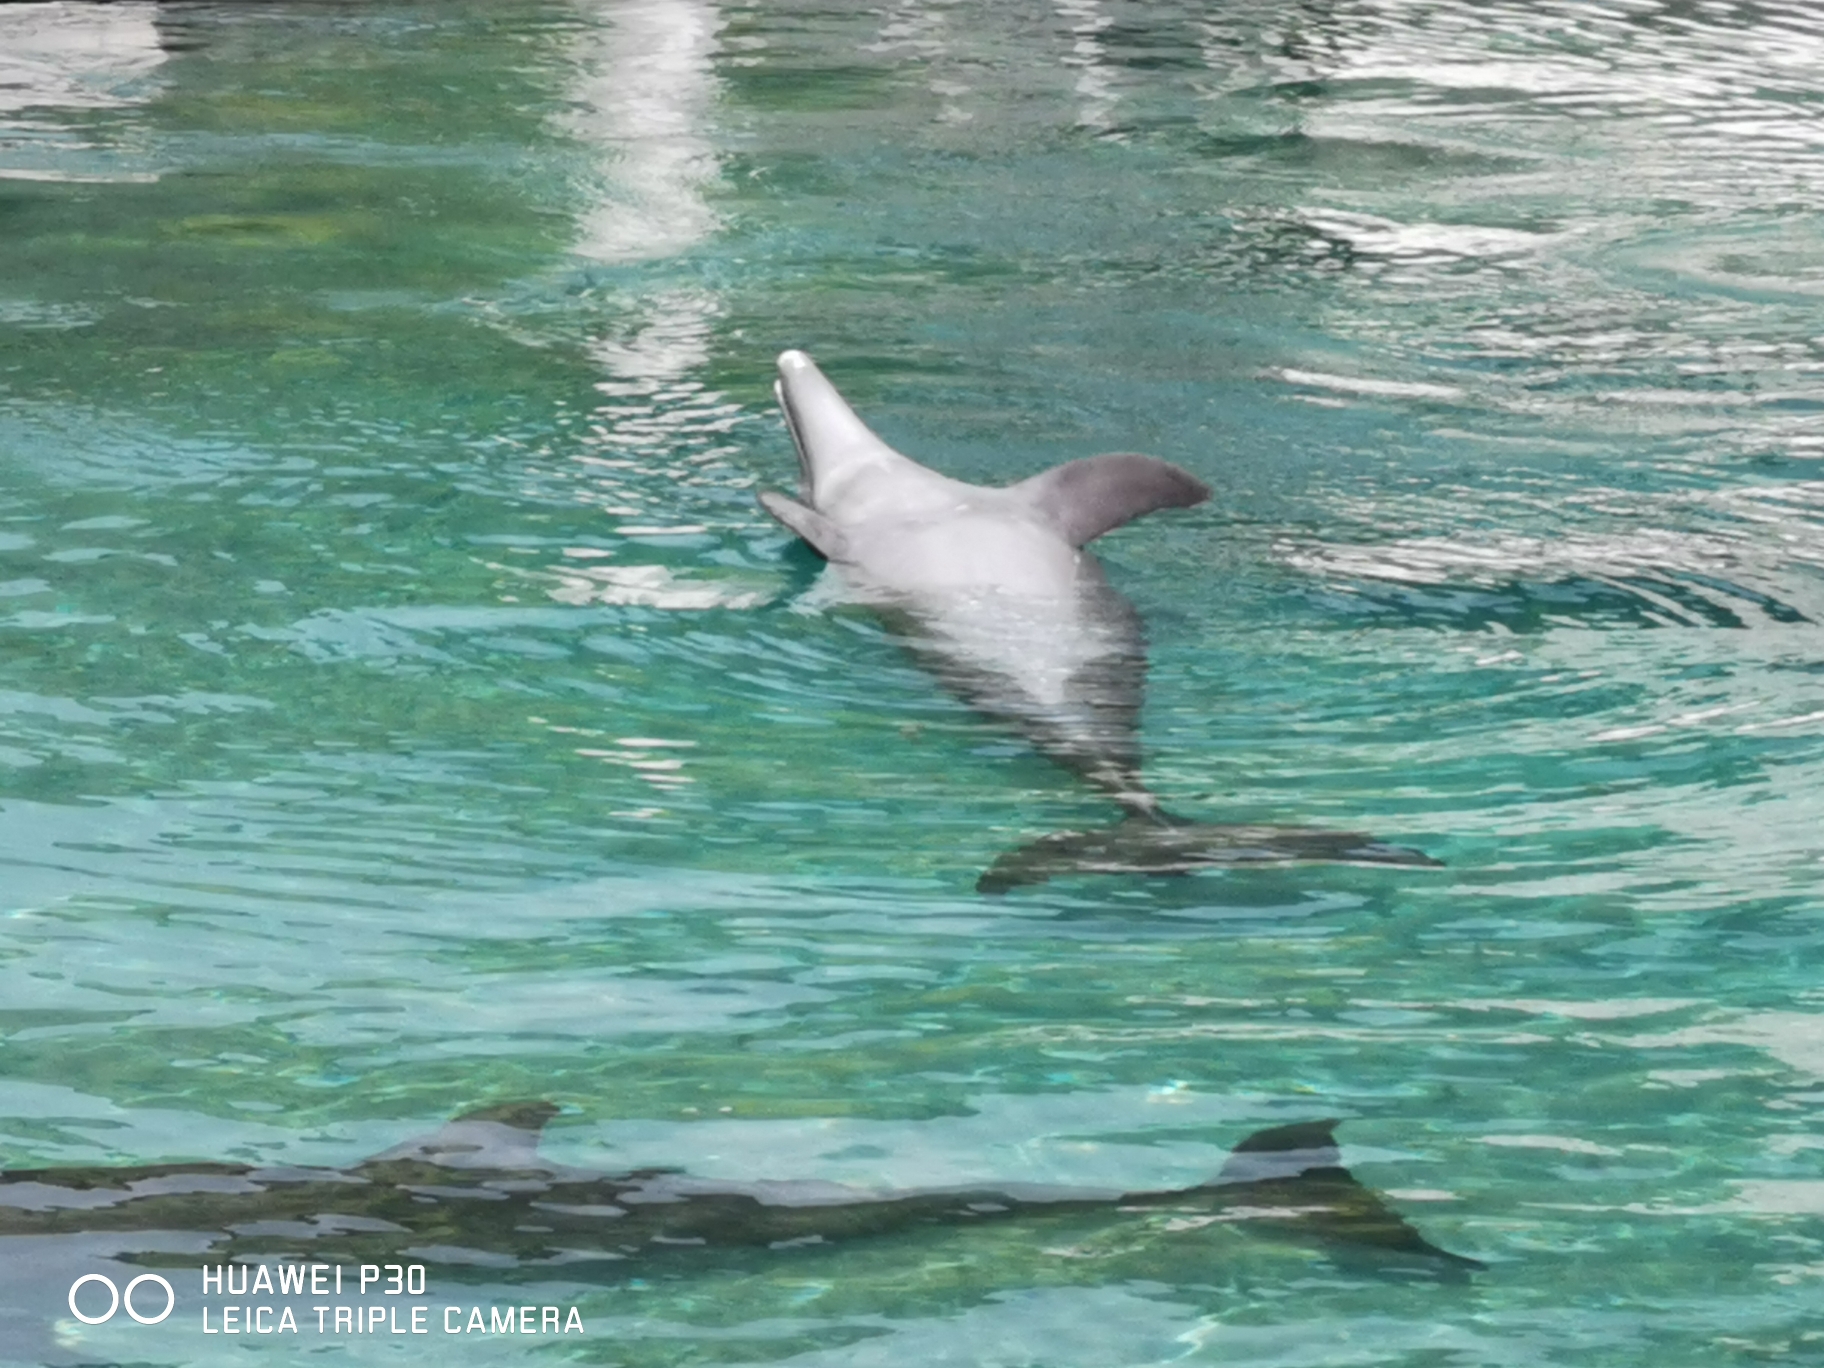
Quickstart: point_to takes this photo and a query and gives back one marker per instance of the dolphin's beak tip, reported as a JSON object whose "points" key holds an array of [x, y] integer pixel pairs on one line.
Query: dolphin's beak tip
{"points": [[792, 360]]}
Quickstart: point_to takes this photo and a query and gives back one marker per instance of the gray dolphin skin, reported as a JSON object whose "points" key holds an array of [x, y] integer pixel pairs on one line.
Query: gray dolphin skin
{"points": [[477, 1192], [992, 591]]}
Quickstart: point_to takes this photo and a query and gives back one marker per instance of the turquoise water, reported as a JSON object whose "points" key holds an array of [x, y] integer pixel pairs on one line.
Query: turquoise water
{"points": [[404, 707]]}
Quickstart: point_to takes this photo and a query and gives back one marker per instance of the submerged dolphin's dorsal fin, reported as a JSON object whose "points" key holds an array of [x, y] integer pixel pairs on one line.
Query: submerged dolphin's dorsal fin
{"points": [[529, 1116], [823, 535], [1083, 499], [504, 1136], [1283, 1152]]}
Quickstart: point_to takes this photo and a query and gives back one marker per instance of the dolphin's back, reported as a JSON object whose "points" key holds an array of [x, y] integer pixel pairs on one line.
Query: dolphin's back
{"points": [[866, 494], [972, 549]]}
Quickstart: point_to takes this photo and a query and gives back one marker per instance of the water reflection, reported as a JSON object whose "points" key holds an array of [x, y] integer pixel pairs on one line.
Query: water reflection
{"points": [[59, 59], [1095, 83], [61, 55], [642, 87], [925, 32], [642, 97]]}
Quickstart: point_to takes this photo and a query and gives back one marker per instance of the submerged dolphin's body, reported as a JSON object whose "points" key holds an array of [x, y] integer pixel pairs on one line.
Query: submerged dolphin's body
{"points": [[478, 1193], [1003, 604]]}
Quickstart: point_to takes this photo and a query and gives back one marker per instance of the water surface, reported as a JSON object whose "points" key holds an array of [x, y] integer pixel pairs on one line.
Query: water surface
{"points": [[404, 707]]}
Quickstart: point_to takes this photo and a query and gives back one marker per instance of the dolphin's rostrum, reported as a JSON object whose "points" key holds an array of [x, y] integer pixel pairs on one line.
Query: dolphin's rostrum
{"points": [[993, 591], [478, 1192]]}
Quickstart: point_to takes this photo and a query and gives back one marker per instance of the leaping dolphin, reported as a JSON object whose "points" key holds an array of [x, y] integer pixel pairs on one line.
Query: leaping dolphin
{"points": [[477, 1192], [997, 596]]}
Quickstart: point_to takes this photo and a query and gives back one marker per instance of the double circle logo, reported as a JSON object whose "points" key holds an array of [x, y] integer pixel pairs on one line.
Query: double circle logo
{"points": [[117, 1298]]}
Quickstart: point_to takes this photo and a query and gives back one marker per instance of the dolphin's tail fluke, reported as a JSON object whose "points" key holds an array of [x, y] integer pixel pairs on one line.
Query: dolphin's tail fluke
{"points": [[1146, 842], [1290, 1181]]}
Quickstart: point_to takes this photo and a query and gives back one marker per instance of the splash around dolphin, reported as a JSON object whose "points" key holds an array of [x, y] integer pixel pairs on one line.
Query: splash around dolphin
{"points": [[993, 591]]}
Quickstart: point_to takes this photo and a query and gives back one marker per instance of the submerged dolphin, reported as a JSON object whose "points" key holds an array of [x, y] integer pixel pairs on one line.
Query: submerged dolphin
{"points": [[998, 598], [477, 1192]]}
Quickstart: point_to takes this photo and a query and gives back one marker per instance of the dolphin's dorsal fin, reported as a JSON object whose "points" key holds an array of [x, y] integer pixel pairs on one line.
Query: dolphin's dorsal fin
{"points": [[823, 535], [1283, 1152], [1083, 499], [526, 1116], [498, 1137]]}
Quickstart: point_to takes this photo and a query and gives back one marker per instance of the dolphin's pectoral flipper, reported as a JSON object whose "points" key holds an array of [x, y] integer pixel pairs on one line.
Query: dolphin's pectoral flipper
{"points": [[1292, 1181], [1083, 499], [823, 536], [1153, 843]]}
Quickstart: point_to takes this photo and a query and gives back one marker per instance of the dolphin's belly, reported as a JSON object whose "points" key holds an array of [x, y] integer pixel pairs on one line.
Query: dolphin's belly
{"points": [[966, 551], [1017, 623], [1030, 651]]}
